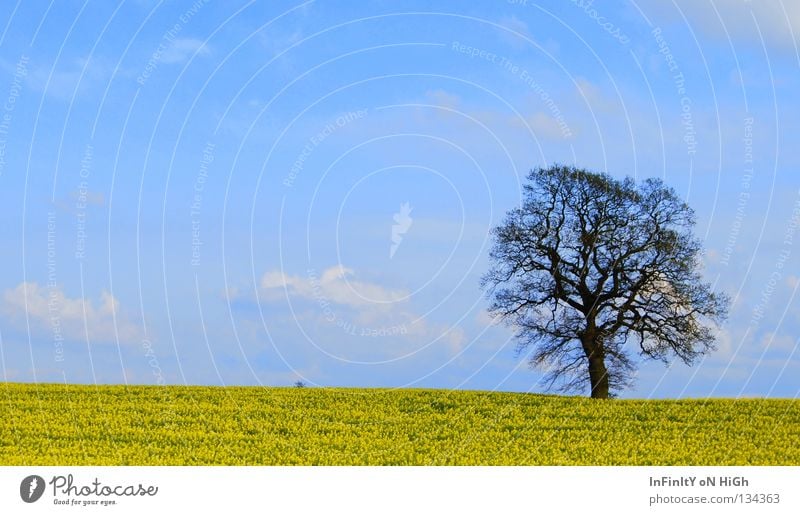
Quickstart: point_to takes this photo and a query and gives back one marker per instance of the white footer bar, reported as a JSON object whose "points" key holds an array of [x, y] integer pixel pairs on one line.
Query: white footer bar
{"points": [[389, 490]]}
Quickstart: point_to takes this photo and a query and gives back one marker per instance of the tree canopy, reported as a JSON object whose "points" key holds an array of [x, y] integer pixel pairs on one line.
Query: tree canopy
{"points": [[591, 270]]}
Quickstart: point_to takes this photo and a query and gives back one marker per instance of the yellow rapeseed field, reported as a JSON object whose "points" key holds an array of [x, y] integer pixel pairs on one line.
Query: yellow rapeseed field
{"points": [[152, 425]]}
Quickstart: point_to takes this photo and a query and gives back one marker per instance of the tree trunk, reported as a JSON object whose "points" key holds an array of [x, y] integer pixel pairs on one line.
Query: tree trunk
{"points": [[598, 376], [593, 347]]}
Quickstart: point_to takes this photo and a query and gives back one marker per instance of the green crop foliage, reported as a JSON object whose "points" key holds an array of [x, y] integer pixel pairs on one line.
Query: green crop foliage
{"points": [[171, 425]]}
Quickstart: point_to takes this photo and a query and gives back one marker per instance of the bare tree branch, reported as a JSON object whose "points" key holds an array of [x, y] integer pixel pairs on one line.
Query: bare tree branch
{"points": [[588, 261]]}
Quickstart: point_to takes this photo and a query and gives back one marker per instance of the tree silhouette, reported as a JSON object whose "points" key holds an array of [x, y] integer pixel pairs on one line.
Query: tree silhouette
{"points": [[588, 263]]}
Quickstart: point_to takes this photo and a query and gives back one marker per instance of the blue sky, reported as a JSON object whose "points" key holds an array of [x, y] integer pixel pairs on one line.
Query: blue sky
{"points": [[255, 193]]}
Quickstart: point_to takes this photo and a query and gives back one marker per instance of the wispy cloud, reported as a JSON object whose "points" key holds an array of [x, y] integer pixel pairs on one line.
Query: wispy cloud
{"points": [[485, 319], [591, 93], [544, 126], [343, 299], [441, 98], [182, 49], [779, 342], [277, 41], [519, 31], [63, 80], [337, 283], [551, 126], [777, 21], [50, 311]]}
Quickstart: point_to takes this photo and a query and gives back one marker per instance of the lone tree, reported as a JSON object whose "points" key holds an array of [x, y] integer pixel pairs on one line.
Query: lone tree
{"points": [[589, 262]]}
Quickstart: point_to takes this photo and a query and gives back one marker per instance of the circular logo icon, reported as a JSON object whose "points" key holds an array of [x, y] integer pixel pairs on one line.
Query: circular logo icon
{"points": [[31, 488]]}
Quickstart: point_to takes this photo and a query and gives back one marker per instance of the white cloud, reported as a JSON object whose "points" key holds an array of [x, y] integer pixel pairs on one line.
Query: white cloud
{"points": [[775, 341], [50, 311], [523, 39], [515, 24], [519, 29], [455, 339], [544, 126], [724, 344], [441, 98], [711, 256], [184, 48], [547, 125], [595, 97], [341, 297], [336, 284], [484, 318], [61, 81], [277, 41]]}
